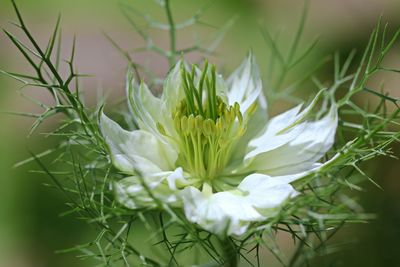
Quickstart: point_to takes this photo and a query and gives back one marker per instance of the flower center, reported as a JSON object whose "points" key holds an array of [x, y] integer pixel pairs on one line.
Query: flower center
{"points": [[205, 144], [207, 126]]}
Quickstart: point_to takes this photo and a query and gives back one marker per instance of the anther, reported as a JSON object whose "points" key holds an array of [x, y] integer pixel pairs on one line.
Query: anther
{"points": [[161, 128], [184, 125], [198, 123], [191, 123]]}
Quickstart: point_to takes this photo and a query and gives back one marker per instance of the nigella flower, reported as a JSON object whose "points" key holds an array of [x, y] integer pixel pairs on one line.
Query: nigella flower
{"points": [[207, 146]]}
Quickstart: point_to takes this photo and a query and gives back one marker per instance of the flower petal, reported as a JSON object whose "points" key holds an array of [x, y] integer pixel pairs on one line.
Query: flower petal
{"points": [[146, 108], [131, 193], [176, 179], [255, 124], [137, 150], [245, 86], [297, 148], [221, 87], [270, 138], [281, 129], [223, 213], [265, 192], [173, 91]]}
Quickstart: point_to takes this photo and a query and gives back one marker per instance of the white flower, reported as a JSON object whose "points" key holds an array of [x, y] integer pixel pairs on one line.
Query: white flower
{"points": [[207, 146]]}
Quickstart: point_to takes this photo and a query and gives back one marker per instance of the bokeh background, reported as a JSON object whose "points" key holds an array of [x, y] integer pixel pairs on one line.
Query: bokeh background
{"points": [[31, 230]]}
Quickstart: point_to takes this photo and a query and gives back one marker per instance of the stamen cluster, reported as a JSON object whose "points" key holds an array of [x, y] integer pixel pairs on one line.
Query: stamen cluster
{"points": [[207, 126]]}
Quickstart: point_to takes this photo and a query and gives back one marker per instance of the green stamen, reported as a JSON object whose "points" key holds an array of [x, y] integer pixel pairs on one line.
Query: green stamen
{"points": [[207, 126]]}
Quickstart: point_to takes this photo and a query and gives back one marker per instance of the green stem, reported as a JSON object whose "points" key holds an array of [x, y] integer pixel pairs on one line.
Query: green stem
{"points": [[172, 33], [231, 258]]}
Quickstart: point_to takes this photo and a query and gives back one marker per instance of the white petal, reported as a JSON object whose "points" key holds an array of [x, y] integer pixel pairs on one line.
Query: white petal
{"points": [[176, 179], [257, 197], [256, 123], [245, 86], [173, 91], [296, 149], [221, 88], [146, 108], [131, 193], [265, 192], [223, 213], [270, 138], [136, 150], [281, 129]]}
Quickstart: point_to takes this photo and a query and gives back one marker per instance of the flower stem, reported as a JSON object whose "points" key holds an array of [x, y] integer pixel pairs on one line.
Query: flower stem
{"points": [[230, 254], [172, 34]]}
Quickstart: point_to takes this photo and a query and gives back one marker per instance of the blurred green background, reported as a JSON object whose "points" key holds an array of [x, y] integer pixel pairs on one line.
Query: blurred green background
{"points": [[31, 230]]}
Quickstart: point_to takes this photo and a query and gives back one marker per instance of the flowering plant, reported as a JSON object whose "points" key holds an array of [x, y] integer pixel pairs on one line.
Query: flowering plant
{"points": [[202, 146], [203, 168]]}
